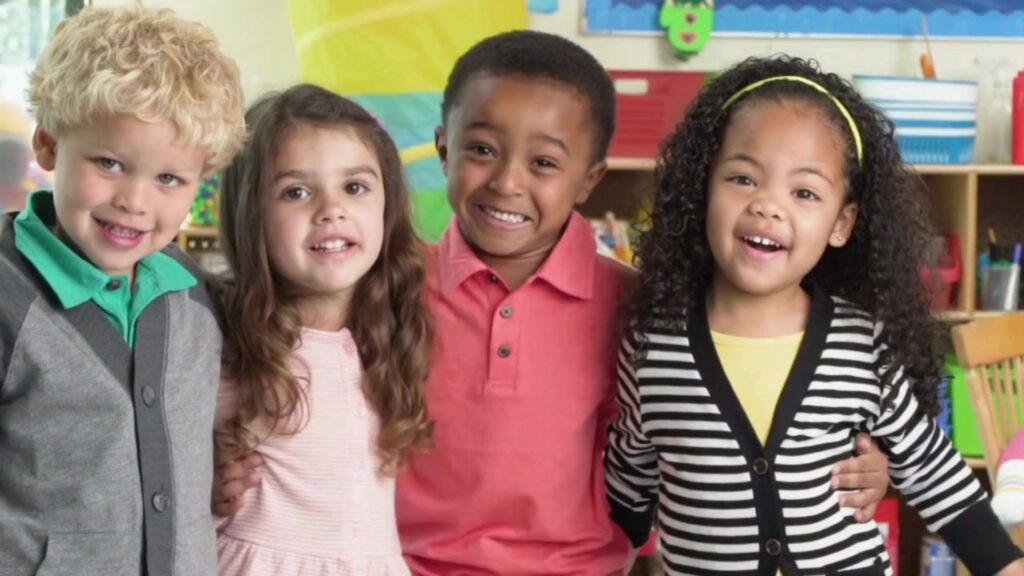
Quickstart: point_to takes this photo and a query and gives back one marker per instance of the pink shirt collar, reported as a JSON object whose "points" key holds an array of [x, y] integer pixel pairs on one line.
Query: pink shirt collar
{"points": [[569, 268]]}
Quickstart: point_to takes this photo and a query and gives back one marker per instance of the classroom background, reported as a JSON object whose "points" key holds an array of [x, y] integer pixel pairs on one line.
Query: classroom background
{"points": [[945, 71]]}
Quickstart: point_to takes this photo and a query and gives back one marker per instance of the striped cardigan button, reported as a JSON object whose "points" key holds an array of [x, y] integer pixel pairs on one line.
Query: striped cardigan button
{"points": [[760, 466], [773, 547]]}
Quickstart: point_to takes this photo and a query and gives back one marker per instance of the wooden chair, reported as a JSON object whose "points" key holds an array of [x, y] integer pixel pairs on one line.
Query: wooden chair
{"points": [[992, 353]]}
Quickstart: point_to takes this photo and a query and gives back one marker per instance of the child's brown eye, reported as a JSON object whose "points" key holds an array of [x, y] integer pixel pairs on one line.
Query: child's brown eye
{"points": [[296, 193], [805, 194], [356, 188]]}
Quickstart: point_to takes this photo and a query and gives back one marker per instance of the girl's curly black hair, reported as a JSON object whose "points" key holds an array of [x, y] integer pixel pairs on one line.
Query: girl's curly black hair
{"points": [[878, 269]]}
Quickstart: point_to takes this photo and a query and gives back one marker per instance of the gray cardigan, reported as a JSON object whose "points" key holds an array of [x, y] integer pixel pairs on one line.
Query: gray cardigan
{"points": [[106, 454]]}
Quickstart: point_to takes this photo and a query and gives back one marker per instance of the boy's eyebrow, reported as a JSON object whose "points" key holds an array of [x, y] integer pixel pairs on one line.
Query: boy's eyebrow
{"points": [[481, 125]]}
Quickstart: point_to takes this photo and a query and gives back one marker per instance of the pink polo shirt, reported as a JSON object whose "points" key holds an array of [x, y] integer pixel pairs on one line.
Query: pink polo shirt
{"points": [[522, 392]]}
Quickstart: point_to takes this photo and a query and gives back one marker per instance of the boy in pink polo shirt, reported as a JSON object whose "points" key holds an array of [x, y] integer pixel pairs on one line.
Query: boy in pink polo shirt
{"points": [[527, 320]]}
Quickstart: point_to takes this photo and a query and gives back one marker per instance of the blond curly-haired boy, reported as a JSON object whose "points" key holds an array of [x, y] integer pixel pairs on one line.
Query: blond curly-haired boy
{"points": [[109, 348]]}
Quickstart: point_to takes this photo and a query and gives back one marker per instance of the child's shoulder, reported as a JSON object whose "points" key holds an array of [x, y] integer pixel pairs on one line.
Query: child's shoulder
{"points": [[850, 315], [19, 282], [611, 270]]}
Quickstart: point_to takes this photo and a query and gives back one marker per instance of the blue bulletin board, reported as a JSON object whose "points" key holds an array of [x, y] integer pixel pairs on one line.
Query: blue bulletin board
{"points": [[894, 18]]}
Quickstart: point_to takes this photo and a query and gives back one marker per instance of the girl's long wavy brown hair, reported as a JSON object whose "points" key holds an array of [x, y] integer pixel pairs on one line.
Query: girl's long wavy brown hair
{"points": [[387, 314]]}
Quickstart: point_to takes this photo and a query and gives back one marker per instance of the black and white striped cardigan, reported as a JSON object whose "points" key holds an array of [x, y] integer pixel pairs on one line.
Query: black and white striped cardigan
{"points": [[728, 505]]}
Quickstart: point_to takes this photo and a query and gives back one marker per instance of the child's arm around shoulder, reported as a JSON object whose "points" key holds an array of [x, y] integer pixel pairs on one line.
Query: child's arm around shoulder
{"points": [[631, 467], [934, 478]]}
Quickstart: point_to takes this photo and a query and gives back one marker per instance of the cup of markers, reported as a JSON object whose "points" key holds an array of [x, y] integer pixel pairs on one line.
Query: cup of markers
{"points": [[1000, 275]]}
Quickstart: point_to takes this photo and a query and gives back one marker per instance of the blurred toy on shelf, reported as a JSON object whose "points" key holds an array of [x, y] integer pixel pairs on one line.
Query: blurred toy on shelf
{"points": [[613, 238], [206, 206]]}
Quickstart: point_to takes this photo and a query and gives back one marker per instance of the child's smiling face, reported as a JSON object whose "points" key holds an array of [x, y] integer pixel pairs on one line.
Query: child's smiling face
{"points": [[777, 196], [519, 156]]}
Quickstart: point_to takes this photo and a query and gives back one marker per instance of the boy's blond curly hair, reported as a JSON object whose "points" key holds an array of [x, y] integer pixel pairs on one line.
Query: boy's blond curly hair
{"points": [[143, 62]]}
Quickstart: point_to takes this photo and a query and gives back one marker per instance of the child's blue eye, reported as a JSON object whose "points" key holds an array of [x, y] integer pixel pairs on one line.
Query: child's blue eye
{"points": [[109, 164], [169, 179]]}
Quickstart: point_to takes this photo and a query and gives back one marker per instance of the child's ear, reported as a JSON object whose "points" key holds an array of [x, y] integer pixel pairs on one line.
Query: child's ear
{"points": [[844, 226], [591, 179], [441, 144], [45, 147]]}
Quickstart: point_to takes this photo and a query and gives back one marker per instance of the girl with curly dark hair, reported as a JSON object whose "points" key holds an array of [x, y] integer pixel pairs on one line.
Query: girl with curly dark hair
{"points": [[327, 338], [780, 311]]}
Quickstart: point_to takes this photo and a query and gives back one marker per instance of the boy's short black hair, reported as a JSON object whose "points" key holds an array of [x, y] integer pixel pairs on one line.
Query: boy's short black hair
{"points": [[545, 56]]}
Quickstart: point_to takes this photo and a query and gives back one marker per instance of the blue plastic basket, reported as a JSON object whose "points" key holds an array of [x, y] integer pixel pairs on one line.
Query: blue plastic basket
{"points": [[936, 149], [936, 120]]}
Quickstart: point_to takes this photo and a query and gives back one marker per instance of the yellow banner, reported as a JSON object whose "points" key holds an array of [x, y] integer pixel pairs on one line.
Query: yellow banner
{"points": [[393, 46]]}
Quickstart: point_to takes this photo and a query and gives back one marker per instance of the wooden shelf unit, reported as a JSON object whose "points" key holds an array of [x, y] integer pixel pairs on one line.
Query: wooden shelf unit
{"points": [[967, 200]]}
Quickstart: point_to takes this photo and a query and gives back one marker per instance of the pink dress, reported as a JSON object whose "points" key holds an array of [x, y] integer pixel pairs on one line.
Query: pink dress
{"points": [[321, 508]]}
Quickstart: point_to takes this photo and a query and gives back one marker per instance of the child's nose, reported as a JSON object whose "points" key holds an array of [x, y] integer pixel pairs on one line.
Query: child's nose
{"points": [[131, 196], [331, 210], [764, 206], [508, 180]]}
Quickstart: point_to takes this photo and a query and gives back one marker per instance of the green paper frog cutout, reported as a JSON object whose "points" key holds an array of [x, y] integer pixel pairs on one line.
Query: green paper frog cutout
{"points": [[689, 24]]}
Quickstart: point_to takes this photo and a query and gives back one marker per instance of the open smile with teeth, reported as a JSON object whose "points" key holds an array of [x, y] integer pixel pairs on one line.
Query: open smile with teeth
{"points": [[507, 217], [762, 243], [119, 230], [330, 246]]}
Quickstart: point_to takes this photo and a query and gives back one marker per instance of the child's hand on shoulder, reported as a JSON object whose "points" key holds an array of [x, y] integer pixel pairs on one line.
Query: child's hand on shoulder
{"points": [[234, 475]]}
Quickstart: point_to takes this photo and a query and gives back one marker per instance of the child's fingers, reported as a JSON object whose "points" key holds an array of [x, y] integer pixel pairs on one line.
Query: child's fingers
{"points": [[222, 454], [231, 489], [863, 502], [871, 480], [236, 469], [866, 444], [227, 508]]}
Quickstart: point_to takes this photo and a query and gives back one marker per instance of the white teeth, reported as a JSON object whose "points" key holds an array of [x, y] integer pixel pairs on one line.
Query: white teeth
{"points": [[123, 232], [509, 217], [331, 246], [762, 241]]}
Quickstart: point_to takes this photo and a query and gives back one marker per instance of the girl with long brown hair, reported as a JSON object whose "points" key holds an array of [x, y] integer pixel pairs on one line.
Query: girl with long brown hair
{"points": [[327, 339]]}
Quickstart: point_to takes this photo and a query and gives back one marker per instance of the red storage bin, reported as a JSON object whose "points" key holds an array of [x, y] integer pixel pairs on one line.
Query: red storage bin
{"points": [[888, 519], [941, 281], [649, 105]]}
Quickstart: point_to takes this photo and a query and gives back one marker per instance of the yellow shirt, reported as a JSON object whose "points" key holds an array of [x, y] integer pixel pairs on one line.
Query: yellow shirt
{"points": [[757, 368]]}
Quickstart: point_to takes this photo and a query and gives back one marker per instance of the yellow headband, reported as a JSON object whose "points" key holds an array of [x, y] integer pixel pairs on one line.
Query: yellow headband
{"points": [[842, 109]]}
